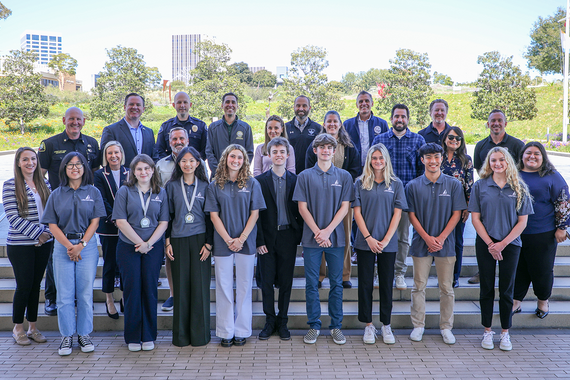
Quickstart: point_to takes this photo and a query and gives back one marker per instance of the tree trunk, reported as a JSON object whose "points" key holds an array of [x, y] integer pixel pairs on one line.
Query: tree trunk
{"points": [[22, 125], [61, 81]]}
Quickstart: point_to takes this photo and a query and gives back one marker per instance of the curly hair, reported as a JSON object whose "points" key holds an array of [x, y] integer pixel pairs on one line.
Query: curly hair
{"points": [[513, 179], [367, 176], [223, 174]]}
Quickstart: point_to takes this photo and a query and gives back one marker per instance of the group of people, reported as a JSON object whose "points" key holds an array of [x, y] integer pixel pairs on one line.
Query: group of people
{"points": [[327, 187]]}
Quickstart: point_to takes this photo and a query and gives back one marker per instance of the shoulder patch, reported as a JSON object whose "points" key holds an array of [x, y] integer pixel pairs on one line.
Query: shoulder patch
{"points": [[42, 147]]}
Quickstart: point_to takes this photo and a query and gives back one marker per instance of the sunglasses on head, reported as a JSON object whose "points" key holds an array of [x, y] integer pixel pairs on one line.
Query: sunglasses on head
{"points": [[452, 137]]}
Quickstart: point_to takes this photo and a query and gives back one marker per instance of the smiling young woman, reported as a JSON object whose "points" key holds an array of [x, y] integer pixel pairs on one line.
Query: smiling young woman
{"points": [[274, 127]]}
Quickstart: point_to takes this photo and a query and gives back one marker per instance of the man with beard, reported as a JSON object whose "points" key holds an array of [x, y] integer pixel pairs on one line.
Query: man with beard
{"points": [[196, 128], [301, 131], [403, 145], [438, 126], [178, 139]]}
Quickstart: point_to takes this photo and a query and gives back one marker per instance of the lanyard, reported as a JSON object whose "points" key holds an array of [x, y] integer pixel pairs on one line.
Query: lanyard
{"points": [[143, 204], [189, 205]]}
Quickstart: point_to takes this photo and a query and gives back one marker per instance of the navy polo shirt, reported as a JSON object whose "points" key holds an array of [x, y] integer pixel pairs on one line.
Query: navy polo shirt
{"points": [[128, 206], [234, 206], [177, 206], [498, 208], [377, 208], [73, 210], [430, 134], [324, 193], [433, 204], [511, 144]]}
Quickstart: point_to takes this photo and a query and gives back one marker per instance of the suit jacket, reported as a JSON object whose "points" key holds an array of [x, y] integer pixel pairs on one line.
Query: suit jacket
{"points": [[120, 132], [267, 221], [105, 182]]}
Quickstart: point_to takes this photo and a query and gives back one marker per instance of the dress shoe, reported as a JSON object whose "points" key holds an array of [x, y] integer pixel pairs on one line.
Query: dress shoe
{"points": [[267, 331], [284, 333], [239, 341], [122, 306], [112, 316], [21, 339], [475, 279], [50, 308], [227, 342], [37, 336], [347, 284]]}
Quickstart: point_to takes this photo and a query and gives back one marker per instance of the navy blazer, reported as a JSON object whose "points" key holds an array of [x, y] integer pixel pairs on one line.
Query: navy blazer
{"points": [[267, 221], [376, 126], [120, 132], [351, 162], [105, 182]]}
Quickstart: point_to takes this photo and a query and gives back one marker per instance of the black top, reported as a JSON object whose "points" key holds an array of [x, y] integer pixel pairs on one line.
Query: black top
{"points": [[197, 136], [300, 141], [510, 143]]}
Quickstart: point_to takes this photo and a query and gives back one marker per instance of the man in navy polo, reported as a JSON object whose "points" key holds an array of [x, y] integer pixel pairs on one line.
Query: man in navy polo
{"points": [[403, 146], [364, 127], [436, 129], [196, 128], [301, 131], [435, 202]]}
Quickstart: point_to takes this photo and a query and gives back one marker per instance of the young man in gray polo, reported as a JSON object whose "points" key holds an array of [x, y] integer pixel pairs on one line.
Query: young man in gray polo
{"points": [[435, 201]]}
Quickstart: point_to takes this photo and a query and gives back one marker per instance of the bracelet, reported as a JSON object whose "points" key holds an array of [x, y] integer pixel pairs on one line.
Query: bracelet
{"points": [[208, 249], [244, 235], [241, 241], [168, 245], [367, 237]]}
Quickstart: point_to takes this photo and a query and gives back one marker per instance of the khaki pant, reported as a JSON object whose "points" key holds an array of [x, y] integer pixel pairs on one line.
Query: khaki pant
{"points": [[347, 222], [444, 268]]}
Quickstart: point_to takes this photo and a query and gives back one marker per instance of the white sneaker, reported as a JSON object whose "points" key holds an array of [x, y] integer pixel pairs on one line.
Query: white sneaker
{"points": [[505, 344], [134, 347], [369, 334], [487, 342], [387, 335], [148, 346], [401, 283], [448, 337], [338, 336], [417, 334], [311, 336]]}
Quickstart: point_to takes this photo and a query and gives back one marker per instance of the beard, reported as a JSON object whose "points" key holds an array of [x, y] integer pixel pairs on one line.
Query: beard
{"points": [[399, 126]]}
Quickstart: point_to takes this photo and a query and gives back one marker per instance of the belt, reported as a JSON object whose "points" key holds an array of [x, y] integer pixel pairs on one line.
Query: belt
{"points": [[74, 236], [283, 227]]}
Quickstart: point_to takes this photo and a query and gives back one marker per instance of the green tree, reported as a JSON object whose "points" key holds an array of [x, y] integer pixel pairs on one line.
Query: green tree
{"points": [[545, 51], [440, 78], [211, 79], [263, 78], [307, 78], [64, 65], [241, 71], [349, 81], [4, 12], [407, 81], [22, 97], [124, 72], [502, 85]]}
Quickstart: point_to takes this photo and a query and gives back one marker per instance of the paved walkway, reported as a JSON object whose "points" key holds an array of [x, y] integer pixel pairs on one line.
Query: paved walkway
{"points": [[537, 354]]}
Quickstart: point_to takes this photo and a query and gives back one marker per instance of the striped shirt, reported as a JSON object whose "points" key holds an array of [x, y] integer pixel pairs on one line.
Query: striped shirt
{"points": [[22, 231]]}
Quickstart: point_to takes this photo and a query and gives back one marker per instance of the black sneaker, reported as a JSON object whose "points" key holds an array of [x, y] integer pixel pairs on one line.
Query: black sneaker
{"points": [[266, 332], [65, 346], [85, 343], [284, 333]]}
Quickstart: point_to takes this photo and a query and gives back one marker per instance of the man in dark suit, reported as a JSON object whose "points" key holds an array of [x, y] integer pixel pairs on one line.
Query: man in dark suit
{"points": [[133, 136], [278, 233]]}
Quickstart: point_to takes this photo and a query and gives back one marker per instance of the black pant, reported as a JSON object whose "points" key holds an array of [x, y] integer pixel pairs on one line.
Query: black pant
{"points": [[29, 264], [536, 265], [110, 268], [50, 290], [507, 270], [276, 268], [385, 262]]}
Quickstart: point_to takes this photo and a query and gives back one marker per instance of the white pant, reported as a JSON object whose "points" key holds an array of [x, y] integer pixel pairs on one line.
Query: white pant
{"points": [[229, 325]]}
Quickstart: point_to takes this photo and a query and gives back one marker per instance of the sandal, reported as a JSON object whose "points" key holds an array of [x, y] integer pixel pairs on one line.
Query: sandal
{"points": [[541, 313], [37, 337], [22, 339], [517, 310]]}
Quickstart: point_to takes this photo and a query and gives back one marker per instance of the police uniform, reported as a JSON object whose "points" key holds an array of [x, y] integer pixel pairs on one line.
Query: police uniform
{"points": [[197, 136]]}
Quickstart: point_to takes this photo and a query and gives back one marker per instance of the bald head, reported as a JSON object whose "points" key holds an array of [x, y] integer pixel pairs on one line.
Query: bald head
{"points": [[182, 105], [73, 121]]}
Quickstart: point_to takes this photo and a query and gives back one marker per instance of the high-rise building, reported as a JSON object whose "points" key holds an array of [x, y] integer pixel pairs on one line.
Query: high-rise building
{"points": [[184, 55], [256, 69], [46, 44]]}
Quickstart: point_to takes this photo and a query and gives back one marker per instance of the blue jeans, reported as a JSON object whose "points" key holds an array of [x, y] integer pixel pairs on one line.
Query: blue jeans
{"points": [[335, 259], [74, 280]]}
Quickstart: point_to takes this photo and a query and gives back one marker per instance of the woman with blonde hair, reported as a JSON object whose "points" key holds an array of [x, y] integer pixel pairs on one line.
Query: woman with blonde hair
{"points": [[274, 127], [500, 204], [379, 201], [234, 199]]}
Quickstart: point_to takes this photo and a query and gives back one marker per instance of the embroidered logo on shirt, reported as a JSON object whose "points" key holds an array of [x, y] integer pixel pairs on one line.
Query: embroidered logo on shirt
{"points": [[239, 135], [389, 189], [336, 184], [377, 129], [444, 194], [199, 195], [194, 129], [157, 199], [513, 195], [244, 190], [87, 199], [311, 132]]}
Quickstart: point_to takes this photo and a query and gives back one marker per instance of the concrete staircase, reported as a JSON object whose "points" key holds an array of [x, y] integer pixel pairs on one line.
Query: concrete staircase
{"points": [[467, 314]]}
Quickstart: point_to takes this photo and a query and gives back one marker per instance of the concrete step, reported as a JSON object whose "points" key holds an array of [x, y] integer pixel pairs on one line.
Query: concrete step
{"points": [[467, 315]]}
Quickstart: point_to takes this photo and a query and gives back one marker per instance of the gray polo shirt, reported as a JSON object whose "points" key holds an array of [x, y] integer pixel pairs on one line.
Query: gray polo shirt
{"points": [[73, 210], [128, 206], [234, 206], [324, 193], [165, 167], [433, 205], [378, 206], [280, 185], [177, 206], [498, 208]]}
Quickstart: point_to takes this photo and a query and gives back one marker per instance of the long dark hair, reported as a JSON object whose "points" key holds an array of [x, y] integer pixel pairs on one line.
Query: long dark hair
{"points": [[86, 178], [154, 180], [200, 171], [20, 183], [267, 138], [546, 167], [462, 150], [343, 136]]}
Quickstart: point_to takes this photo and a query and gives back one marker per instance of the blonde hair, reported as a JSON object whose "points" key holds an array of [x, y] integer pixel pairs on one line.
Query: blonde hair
{"points": [[223, 174], [513, 179], [110, 144], [367, 176]]}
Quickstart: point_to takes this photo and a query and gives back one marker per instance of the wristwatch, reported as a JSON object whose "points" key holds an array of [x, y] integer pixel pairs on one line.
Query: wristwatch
{"points": [[83, 243]]}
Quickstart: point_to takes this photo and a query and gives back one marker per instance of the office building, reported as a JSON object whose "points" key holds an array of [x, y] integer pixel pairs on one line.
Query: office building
{"points": [[184, 55], [46, 44]]}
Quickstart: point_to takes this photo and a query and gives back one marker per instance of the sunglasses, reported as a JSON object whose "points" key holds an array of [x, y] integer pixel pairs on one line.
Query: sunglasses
{"points": [[452, 137]]}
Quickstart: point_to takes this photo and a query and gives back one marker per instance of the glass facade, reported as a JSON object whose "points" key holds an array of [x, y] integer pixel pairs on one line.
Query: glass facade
{"points": [[47, 44]]}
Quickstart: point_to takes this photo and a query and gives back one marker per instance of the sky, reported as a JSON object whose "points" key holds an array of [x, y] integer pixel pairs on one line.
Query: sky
{"points": [[357, 36]]}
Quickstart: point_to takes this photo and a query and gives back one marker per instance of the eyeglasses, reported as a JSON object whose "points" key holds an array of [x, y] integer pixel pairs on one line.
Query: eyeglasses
{"points": [[79, 165], [452, 137]]}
